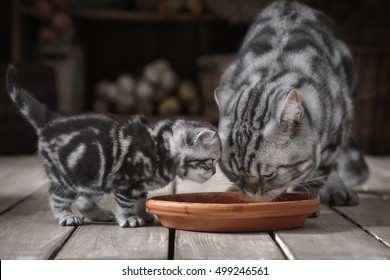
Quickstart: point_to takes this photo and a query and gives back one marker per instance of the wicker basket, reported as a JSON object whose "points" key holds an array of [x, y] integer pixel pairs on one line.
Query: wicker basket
{"points": [[371, 128]]}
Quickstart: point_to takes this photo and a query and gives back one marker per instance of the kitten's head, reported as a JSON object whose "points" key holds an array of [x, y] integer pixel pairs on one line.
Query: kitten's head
{"points": [[266, 155], [198, 148]]}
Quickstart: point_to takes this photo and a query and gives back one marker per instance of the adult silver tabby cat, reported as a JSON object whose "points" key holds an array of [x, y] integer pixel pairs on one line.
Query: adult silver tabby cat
{"points": [[86, 156], [286, 109]]}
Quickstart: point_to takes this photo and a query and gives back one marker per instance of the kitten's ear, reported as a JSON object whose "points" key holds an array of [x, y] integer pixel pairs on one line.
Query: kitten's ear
{"points": [[292, 112], [205, 136]]}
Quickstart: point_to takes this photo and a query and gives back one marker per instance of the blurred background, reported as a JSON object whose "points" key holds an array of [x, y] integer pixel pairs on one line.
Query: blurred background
{"points": [[164, 58]]}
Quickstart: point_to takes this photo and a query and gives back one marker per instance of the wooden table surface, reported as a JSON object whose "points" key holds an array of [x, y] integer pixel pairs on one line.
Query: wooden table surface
{"points": [[29, 231]]}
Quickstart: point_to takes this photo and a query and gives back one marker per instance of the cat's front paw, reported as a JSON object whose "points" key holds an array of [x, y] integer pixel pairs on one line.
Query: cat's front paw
{"points": [[338, 195], [70, 221], [133, 221]]}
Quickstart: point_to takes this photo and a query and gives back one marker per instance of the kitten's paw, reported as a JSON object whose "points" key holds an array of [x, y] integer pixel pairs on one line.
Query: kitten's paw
{"points": [[338, 196], [147, 217], [133, 221], [70, 221]]}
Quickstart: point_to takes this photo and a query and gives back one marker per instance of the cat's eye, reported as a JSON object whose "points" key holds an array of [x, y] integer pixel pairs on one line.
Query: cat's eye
{"points": [[269, 176]]}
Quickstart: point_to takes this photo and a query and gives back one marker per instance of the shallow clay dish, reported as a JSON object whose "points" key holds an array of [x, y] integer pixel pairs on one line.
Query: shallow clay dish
{"points": [[231, 211]]}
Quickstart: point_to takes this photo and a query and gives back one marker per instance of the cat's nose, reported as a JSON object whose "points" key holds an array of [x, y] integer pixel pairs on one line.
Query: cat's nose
{"points": [[251, 180]]}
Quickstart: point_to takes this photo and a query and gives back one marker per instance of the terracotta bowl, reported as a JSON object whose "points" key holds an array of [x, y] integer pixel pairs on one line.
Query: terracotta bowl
{"points": [[231, 211]]}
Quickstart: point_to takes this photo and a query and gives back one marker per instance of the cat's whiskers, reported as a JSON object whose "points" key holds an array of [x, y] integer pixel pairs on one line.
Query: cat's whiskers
{"points": [[307, 191], [331, 178], [316, 179], [218, 183]]}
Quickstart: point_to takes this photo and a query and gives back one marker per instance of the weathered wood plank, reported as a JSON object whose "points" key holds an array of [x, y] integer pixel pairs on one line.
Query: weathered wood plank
{"points": [[109, 241], [10, 162], [29, 231], [9, 165], [378, 181], [376, 185], [372, 214], [330, 236], [19, 178], [381, 164], [203, 245]]}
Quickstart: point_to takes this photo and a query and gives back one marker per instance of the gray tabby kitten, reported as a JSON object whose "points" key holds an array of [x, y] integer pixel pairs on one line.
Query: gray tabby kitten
{"points": [[286, 109], [89, 155]]}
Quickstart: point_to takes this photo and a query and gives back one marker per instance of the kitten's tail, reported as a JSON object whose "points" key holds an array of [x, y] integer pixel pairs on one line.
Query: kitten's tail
{"points": [[38, 114]]}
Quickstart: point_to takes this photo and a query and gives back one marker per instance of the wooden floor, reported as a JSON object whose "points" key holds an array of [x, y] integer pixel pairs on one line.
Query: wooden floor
{"points": [[28, 230]]}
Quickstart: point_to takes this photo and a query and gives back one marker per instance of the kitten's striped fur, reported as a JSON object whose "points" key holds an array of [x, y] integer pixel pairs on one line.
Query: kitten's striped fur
{"points": [[286, 107], [87, 156]]}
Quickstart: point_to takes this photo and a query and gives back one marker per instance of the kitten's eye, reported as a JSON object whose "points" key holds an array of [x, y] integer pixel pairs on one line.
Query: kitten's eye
{"points": [[269, 176], [206, 164], [211, 163]]}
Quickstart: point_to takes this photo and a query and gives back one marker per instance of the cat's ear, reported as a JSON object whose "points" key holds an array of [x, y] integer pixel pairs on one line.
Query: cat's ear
{"points": [[292, 112], [206, 136], [222, 97]]}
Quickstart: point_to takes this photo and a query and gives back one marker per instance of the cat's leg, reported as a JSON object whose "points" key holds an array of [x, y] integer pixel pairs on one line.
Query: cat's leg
{"points": [[128, 204], [330, 188], [335, 192], [60, 200], [351, 165], [349, 171], [88, 207]]}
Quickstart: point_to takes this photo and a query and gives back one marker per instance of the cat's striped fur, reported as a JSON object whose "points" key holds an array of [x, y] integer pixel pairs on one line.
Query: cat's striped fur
{"points": [[89, 155], [286, 108]]}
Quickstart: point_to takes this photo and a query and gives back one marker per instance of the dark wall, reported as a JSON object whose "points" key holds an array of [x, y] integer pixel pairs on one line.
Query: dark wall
{"points": [[5, 30]]}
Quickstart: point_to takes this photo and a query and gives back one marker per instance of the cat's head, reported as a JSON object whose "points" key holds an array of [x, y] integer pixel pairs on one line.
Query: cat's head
{"points": [[264, 156], [198, 148]]}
